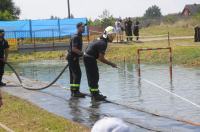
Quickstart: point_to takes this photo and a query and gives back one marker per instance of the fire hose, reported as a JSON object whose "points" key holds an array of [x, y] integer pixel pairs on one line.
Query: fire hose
{"points": [[31, 88]]}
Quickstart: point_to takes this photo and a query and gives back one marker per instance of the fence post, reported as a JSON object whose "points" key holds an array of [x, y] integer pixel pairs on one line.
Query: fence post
{"points": [[30, 30], [169, 40], [170, 59], [88, 31], [16, 40], [53, 39], [198, 34], [34, 42], [138, 62], [117, 37], [59, 29]]}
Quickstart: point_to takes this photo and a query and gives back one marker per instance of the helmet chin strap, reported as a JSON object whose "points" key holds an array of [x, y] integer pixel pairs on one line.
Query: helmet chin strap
{"points": [[105, 35]]}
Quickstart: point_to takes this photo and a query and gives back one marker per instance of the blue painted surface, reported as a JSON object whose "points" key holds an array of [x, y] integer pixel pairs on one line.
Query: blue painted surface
{"points": [[41, 28]]}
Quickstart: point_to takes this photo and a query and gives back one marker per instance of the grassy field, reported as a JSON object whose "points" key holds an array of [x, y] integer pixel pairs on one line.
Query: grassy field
{"points": [[164, 29], [182, 27], [22, 116], [18, 57], [183, 49], [185, 52]]}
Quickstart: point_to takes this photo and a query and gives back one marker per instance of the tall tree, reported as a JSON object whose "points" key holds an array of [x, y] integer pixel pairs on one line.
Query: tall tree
{"points": [[8, 10], [106, 19], [153, 12]]}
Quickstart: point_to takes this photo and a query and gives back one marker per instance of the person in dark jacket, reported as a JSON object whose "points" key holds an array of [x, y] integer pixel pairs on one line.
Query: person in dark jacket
{"points": [[96, 51], [74, 53], [4, 47], [136, 30], [128, 27]]}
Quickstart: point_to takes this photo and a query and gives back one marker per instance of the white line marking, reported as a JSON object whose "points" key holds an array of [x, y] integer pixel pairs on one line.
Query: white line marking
{"points": [[184, 99], [165, 90]]}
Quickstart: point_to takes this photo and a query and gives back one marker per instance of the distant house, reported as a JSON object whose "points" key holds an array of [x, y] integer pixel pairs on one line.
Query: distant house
{"points": [[191, 9]]}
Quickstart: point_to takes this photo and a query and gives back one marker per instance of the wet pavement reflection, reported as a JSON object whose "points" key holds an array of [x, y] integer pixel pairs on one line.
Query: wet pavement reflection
{"points": [[127, 91]]}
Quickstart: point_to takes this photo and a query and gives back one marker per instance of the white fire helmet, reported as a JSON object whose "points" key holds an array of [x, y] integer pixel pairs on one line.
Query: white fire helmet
{"points": [[109, 30], [109, 124]]}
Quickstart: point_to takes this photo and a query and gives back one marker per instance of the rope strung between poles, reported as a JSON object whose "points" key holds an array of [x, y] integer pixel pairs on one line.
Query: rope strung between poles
{"points": [[152, 36], [31, 88]]}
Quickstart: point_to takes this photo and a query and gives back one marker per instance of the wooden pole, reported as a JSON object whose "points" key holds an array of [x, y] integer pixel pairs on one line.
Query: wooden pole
{"points": [[69, 13], [147, 49], [88, 31], [53, 39], [34, 43], [169, 40], [138, 62], [170, 62]]}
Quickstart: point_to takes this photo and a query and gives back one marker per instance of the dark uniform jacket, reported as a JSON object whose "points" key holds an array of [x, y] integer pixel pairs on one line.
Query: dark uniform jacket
{"points": [[77, 42], [96, 47], [3, 45]]}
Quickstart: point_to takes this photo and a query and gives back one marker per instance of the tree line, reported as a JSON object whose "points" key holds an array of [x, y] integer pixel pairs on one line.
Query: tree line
{"points": [[9, 11]]}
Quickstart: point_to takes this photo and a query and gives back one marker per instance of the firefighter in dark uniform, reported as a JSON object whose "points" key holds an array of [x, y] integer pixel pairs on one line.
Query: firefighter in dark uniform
{"points": [[96, 50], [136, 30], [74, 53], [3, 55]]}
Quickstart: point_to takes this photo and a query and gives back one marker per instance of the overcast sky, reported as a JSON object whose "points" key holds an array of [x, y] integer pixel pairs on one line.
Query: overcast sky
{"points": [[41, 9]]}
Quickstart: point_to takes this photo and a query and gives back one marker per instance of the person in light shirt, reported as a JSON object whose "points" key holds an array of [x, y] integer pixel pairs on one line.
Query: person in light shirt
{"points": [[118, 28]]}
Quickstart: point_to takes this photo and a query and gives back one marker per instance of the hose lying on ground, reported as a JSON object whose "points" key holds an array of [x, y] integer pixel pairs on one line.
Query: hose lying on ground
{"points": [[31, 88]]}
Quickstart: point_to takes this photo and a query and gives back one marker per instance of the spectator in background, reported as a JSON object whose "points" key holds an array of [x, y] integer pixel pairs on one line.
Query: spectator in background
{"points": [[119, 28], [136, 30], [110, 125], [128, 29], [122, 29]]}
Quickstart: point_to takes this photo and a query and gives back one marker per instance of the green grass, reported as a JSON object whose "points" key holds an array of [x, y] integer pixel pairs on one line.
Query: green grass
{"points": [[22, 116], [185, 52], [18, 57], [2, 130], [164, 29], [181, 27]]}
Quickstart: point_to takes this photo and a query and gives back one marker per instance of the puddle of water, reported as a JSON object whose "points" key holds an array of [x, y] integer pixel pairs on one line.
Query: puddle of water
{"points": [[127, 89]]}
